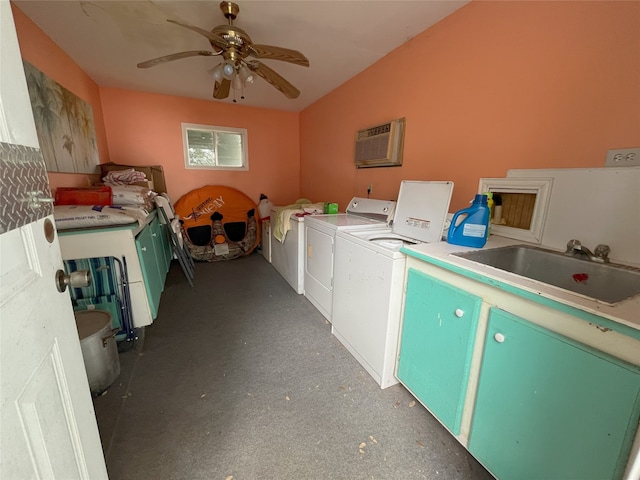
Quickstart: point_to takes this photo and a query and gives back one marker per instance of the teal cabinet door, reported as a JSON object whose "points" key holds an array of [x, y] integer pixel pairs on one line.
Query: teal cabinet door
{"points": [[167, 251], [436, 346], [148, 256], [161, 243], [550, 408]]}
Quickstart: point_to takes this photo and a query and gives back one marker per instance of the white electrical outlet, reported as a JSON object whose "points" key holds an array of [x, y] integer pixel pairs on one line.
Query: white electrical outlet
{"points": [[370, 189], [623, 157]]}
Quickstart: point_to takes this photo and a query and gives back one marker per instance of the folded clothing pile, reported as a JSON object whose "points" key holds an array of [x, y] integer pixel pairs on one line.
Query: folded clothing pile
{"points": [[124, 177], [133, 195], [125, 192]]}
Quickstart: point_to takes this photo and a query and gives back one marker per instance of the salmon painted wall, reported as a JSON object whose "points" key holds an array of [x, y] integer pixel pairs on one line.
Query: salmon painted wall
{"points": [[494, 86], [41, 52], [145, 129]]}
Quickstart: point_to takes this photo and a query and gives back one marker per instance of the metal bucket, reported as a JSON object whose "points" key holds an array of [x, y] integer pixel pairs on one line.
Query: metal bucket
{"points": [[99, 349]]}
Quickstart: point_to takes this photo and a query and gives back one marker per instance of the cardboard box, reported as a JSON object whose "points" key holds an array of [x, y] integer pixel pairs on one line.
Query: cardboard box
{"points": [[154, 174]]}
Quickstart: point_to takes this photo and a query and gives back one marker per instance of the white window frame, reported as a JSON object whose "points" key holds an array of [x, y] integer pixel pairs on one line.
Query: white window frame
{"points": [[540, 187], [215, 129]]}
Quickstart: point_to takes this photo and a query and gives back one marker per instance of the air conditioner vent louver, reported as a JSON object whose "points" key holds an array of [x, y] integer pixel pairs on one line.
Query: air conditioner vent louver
{"points": [[380, 146]]}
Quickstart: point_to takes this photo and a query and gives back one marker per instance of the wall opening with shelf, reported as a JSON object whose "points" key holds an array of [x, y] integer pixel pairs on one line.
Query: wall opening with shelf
{"points": [[520, 206], [516, 209]]}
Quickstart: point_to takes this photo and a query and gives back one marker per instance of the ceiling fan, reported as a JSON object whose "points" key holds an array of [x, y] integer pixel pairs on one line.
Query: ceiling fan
{"points": [[235, 45]]}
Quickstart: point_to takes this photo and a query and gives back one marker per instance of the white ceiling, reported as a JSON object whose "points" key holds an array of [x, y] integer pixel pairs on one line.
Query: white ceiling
{"points": [[107, 39]]}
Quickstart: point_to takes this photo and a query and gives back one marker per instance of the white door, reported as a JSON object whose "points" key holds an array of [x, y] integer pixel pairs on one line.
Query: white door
{"points": [[48, 428]]}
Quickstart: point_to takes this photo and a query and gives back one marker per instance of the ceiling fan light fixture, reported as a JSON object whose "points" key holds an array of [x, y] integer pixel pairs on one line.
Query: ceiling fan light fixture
{"points": [[237, 83], [246, 75], [216, 73], [228, 70]]}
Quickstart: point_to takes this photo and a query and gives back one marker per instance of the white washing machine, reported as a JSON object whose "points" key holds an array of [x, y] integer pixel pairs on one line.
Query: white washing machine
{"points": [[369, 276], [288, 257], [320, 233]]}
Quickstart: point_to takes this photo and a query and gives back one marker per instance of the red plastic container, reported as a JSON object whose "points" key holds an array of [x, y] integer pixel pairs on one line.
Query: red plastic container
{"points": [[101, 195]]}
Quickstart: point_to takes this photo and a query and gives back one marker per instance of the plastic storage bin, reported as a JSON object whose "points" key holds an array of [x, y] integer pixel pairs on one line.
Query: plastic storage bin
{"points": [[101, 195]]}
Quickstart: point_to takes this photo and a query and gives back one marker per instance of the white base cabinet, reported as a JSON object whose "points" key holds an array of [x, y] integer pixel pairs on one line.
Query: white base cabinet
{"points": [[145, 250]]}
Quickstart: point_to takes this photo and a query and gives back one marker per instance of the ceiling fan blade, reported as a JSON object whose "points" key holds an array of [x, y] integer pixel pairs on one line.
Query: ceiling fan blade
{"points": [[214, 39], [221, 90], [278, 53], [274, 79], [174, 56]]}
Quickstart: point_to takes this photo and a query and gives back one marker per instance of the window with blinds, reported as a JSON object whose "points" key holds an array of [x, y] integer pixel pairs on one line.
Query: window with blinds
{"points": [[214, 148]]}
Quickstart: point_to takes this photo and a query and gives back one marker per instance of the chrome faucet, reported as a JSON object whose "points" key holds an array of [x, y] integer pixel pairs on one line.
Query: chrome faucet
{"points": [[601, 254]]}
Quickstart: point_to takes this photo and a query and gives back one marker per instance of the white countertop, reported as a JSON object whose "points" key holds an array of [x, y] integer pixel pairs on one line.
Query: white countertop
{"points": [[626, 312]]}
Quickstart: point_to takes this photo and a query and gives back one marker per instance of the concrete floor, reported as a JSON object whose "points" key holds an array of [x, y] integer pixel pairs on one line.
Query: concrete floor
{"points": [[240, 378]]}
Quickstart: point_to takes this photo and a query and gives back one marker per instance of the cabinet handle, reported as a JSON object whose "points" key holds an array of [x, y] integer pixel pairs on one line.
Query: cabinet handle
{"points": [[498, 337], [459, 312], [144, 249], [154, 234]]}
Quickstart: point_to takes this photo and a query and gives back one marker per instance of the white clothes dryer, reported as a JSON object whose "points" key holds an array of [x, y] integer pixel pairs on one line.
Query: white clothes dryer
{"points": [[369, 276], [320, 233]]}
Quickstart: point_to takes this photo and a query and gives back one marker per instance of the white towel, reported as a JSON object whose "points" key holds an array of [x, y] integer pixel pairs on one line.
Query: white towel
{"points": [[282, 222]]}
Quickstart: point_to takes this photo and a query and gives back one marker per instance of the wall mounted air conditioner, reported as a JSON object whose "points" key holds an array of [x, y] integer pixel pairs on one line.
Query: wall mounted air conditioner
{"points": [[380, 146]]}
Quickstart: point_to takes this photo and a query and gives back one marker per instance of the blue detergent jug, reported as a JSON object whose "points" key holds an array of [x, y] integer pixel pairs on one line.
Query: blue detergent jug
{"points": [[472, 229]]}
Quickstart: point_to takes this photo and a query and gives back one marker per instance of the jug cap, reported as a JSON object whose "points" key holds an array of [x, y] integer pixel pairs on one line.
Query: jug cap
{"points": [[480, 198]]}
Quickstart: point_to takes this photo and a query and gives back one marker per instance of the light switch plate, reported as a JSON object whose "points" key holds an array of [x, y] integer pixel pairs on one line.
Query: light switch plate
{"points": [[623, 157]]}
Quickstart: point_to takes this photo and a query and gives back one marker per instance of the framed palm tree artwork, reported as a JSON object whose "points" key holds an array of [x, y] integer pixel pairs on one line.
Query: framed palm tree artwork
{"points": [[64, 123]]}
